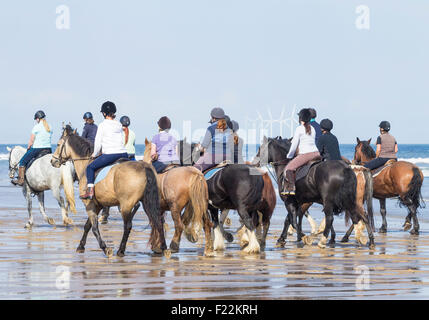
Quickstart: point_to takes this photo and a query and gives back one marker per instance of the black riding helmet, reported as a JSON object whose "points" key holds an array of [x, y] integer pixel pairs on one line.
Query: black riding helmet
{"points": [[125, 121], [326, 124], [304, 115], [164, 123], [87, 115], [108, 108], [385, 125], [39, 115]]}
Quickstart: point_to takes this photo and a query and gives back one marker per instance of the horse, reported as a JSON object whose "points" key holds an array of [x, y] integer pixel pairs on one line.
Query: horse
{"points": [[184, 188], [125, 185], [330, 183], [41, 176], [401, 179]]}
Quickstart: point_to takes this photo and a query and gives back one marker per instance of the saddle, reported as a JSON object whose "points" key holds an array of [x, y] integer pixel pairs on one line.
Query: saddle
{"points": [[209, 173], [302, 172], [169, 167], [100, 174], [41, 154], [378, 170]]}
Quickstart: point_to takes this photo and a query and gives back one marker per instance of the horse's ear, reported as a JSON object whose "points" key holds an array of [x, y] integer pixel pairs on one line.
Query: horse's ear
{"points": [[369, 141], [290, 139], [358, 140], [265, 140], [146, 141], [8, 149], [75, 131]]}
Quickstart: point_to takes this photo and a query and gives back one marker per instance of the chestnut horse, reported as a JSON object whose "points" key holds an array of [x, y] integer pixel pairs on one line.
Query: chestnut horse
{"points": [[402, 179], [184, 188], [125, 185]]}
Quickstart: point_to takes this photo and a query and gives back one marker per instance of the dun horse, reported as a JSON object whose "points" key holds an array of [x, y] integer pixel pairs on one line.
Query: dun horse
{"points": [[184, 188], [125, 185], [401, 179]]}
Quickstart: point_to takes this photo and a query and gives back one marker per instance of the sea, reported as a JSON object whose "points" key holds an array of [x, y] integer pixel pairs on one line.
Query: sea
{"points": [[414, 153]]}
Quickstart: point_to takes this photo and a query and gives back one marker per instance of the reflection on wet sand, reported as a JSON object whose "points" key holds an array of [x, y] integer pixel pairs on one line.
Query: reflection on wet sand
{"points": [[42, 264]]}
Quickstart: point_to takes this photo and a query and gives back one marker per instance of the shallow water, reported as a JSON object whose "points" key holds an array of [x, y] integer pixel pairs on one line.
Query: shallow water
{"points": [[41, 263]]}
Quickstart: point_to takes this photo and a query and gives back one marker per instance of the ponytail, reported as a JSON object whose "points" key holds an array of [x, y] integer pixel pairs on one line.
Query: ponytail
{"points": [[221, 124], [236, 139], [307, 127], [46, 125], [127, 133]]}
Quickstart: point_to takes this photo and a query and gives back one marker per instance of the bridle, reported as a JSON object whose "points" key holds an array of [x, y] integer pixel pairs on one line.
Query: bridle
{"points": [[61, 160], [12, 169]]}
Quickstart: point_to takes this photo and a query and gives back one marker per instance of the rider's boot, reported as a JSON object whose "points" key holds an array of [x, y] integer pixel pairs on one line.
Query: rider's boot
{"points": [[289, 185], [20, 180], [89, 194]]}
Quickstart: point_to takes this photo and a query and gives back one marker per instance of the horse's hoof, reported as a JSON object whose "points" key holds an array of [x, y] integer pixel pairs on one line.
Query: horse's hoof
{"points": [[414, 232], [308, 240], [68, 222], [209, 253], [80, 250], [382, 230], [322, 242], [167, 253], [280, 244], [363, 240], [28, 225], [51, 221], [372, 246], [174, 247], [120, 254], [102, 220], [407, 226], [345, 240], [108, 252], [229, 237], [331, 242]]}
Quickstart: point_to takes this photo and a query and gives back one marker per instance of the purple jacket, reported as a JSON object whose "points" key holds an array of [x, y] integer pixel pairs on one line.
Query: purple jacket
{"points": [[165, 147]]}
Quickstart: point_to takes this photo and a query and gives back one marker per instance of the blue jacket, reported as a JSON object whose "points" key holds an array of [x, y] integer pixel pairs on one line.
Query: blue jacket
{"points": [[216, 143], [89, 132], [317, 128]]}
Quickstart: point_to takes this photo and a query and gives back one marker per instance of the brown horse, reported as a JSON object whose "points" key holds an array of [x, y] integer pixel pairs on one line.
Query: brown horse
{"points": [[402, 179], [184, 188], [125, 185]]}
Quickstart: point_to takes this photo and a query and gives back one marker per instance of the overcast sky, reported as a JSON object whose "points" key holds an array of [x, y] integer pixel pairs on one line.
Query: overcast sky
{"points": [[182, 58]]}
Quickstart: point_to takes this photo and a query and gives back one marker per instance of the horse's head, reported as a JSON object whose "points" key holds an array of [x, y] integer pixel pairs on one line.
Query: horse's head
{"points": [[147, 151], [15, 155], [63, 154], [363, 151], [271, 150]]}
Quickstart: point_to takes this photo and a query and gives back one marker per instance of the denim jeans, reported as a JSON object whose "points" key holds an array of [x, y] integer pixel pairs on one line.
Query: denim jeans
{"points": [[31, 154], [102, 161]]}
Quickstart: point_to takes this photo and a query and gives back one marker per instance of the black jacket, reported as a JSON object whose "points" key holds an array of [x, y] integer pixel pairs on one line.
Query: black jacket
{"points": [[328, 147]]}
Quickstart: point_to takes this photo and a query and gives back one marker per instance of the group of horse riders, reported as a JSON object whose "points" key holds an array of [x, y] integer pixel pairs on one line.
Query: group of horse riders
{"points": [[113, 140]]}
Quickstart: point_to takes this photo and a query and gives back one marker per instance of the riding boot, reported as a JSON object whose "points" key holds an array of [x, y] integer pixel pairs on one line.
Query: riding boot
{"points": [[20, 180], [289, 185], [89, 194]]}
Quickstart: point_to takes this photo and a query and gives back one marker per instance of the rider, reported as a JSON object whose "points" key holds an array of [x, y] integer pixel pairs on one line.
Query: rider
{"points": [[215, 142], [328, 143], [90, 129], [304, 137], [387, 147], [109, 139], [315, 124], [164, 146], [130, 138], [236, 144], [40, 140]]}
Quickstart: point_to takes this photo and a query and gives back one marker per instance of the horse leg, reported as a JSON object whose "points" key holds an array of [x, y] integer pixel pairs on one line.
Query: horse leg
{"points": [[219, 241], [333, 234], [329, 215], [178, 227], [93, 211], [105, 215], [227, 235], [60, 200], [383, 228], [312, 222], [281, 241], [86, 228], [413, 211], [207, 226], [27, 194], [41, 198], [249, 222], [128, 224], [407, 224], [348, 233]]}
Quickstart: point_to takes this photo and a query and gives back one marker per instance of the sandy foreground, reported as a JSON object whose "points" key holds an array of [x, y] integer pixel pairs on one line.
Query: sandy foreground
{"points": [[41, 263]]}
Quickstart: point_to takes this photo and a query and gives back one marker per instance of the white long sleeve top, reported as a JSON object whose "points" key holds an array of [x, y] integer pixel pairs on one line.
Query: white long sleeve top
{"points": [[306, 142], [109, 138]]}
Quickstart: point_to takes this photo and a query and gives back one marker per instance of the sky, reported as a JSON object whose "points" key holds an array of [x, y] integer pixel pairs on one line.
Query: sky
{"points": [[182, 58]]}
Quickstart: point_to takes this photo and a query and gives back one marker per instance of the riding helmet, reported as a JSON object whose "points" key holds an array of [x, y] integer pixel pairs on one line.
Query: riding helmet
{"points": [[108, 108], [164, 123], [87, 115], [326, 124], [313, 113], [39, 115], [304, 115], [125, 121], [385, 125], [217, 113]]}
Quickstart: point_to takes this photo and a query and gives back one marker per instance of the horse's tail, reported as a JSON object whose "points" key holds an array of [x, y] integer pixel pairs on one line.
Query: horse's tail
{"points": [[269, 195], [197, 206], [152, 207], [414, 194], [345, 198], [67, 177], [369, 191]]}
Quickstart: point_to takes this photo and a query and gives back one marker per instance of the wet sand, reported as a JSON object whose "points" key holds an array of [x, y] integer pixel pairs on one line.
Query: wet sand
{"points": [[41, 263]]}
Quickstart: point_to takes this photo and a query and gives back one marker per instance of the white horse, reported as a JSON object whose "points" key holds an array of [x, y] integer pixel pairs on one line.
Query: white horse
{"points": [[42, 176]]}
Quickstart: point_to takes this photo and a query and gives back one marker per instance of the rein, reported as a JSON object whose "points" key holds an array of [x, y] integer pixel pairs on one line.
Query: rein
{"points": [[60, 158]]}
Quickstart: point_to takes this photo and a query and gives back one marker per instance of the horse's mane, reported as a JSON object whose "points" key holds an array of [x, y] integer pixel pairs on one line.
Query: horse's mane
{"points": [[283, 144], [81, 146], [367, 150]]}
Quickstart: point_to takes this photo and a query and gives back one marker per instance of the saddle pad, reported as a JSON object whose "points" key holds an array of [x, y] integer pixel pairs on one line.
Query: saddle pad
{"points": [[209, 174], [303, 171], [103, 173], [377, 171]]}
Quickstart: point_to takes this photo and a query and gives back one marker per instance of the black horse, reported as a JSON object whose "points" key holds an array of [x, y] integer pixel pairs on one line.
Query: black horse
{"points": [[330, 183]]}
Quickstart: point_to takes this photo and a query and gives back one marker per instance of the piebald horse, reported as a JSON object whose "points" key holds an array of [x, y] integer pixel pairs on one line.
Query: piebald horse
{"points": [[402, 179], [125, 185], [184, 188]]}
